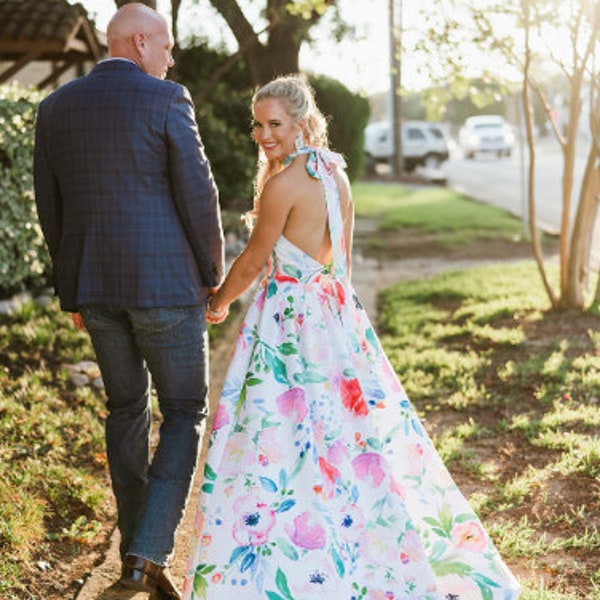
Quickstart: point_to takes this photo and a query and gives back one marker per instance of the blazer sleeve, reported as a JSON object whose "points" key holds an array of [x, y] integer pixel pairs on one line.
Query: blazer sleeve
{"points": [[194, 189], [46, 189]]}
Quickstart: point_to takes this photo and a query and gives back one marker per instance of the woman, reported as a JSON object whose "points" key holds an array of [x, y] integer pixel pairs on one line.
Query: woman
{"points": [[320, 481]]}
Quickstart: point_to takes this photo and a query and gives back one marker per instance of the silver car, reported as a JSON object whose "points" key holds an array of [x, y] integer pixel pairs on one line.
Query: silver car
{"points": [[486, 134]]}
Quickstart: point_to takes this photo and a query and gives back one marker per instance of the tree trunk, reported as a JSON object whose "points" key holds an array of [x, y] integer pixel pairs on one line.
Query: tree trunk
{"points": [[528, 115], [285, 31]]}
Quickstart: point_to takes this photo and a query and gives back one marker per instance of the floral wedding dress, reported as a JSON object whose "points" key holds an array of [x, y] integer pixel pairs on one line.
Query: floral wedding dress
{"points": [[320, 482]]}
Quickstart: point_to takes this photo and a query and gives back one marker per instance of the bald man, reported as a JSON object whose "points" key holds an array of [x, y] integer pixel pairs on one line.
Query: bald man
{"points": [[129, 210]]}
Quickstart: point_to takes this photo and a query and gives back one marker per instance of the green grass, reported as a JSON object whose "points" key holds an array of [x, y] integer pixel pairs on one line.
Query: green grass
{"points": [[53, 481], [454, 217], [515, 389], [54, 484]]}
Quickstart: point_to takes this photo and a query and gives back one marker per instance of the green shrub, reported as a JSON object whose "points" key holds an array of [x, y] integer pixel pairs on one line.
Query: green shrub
{"points": [[224, 117], [347, 114], [24, 261]]}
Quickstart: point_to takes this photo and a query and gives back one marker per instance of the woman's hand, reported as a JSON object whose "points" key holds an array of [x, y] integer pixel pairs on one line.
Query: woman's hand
{"points": [[215, 316]]}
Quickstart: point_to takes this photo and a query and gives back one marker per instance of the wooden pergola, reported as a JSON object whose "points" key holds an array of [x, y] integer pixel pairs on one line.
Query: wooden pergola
{"points": [[51, 31]]}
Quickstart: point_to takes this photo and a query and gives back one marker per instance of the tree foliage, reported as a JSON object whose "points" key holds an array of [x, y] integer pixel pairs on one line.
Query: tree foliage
{"points": [[525, 37]]}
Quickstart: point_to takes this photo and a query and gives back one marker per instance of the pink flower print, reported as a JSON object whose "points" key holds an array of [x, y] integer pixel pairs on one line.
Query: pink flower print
{"points": [[330, 475], [337, 453], [352, 397], [269, 446], [306, 532], [368, 468], [459, 587], [238, 455], [390, 376], [469, 536], [377, 548], [350, 523], [254, 520], [221, 417], [380, 595], [411, 550], [293, 402], [314, 577], [199, 521], [260, 299], [414, 458], [397, 488]]}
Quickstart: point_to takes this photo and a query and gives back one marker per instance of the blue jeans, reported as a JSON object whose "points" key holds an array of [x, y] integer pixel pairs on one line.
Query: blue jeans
{"points": [[167, 346]]}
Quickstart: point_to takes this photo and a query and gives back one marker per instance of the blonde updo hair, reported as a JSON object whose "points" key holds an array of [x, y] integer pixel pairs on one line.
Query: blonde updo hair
{"points": [[299, 101]]}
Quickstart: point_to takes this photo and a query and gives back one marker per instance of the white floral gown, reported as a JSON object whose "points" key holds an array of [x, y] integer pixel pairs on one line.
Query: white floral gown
{"points": [[320, 482]]}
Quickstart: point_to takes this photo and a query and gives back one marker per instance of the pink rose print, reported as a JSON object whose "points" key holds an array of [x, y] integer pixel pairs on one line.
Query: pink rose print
{"points": [[368, 468], [293, 402], [306, 532], [221, 417], [352, 397], [254, 520], [411, 550], [469, 536]]}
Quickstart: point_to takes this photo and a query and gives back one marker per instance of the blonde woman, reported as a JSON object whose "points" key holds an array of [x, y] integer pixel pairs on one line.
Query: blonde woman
{"points": [[320, 481]]}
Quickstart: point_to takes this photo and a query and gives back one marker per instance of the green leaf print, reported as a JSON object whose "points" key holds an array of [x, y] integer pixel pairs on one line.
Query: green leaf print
{"points": [[287, 348], [292, 271], [448, 567], [274, 596], [277, 366], [208, 488], [241, 399], [253, 381], [337, 561], [282, 584], [371, 338], [200, 583], [209, 473], [286, 548], [271, 289]]}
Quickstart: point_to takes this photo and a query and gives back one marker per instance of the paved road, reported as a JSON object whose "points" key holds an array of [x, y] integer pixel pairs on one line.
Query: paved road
{"points": [[502, 182]]}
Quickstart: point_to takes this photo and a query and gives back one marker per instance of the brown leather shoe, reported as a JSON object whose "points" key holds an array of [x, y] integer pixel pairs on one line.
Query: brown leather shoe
{"points": [[144, 576]]}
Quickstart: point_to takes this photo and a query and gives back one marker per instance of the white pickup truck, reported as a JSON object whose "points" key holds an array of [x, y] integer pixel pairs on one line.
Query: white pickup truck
{"points": [[423, 144]]}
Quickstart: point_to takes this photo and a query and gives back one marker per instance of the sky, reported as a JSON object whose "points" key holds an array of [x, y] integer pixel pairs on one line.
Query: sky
{"points": [[361, 64]]}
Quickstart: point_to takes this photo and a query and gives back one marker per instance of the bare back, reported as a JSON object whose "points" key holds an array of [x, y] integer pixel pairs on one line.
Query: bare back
{"points": [[306, 226]]}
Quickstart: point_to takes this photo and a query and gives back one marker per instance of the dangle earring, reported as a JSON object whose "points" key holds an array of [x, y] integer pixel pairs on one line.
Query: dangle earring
{"points": [[299, 143]]}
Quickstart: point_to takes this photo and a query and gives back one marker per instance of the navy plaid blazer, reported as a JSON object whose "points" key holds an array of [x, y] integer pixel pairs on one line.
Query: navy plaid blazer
{"points": [[124, 192]]}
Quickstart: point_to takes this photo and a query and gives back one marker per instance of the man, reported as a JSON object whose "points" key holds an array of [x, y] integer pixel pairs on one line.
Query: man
{"points": [[130, 213]]}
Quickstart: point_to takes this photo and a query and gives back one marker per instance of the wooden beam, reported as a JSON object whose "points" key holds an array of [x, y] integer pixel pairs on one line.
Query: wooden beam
{"points": [[56, 73], [17, 66]]}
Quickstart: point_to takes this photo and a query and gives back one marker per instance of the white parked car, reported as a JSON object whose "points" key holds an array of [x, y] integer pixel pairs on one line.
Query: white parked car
{"points": [[424, 143], [486, 134]]}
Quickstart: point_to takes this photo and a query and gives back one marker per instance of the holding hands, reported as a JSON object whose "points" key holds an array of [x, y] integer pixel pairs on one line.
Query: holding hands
{"points": [[215, 315]]}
